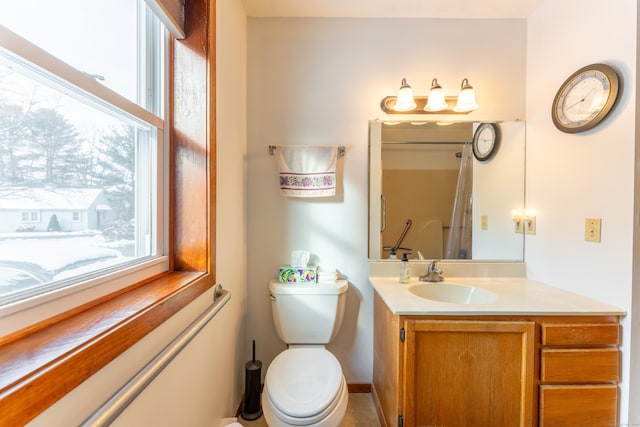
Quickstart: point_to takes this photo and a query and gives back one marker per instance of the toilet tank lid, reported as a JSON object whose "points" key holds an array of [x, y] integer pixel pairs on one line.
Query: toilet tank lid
{"points": [[337, 287]]}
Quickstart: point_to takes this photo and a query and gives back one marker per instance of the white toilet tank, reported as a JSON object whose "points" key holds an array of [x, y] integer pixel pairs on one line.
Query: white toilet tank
{"points": [[308, 313]]}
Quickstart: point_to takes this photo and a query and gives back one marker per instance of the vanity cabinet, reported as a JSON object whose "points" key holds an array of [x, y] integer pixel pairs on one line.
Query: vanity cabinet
{"points": [[493, 370]]}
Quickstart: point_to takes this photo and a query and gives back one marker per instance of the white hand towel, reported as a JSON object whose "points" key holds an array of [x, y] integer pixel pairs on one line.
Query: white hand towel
{"points": [[307, 171]]}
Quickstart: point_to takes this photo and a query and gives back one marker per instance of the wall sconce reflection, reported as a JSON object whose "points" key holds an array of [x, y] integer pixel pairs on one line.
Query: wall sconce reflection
{"points": [[436, 103], [524, 221]]}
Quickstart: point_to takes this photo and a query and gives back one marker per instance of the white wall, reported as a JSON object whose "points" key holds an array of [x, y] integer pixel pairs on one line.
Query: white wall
{"points": [[231, 204], [498, 188], [592, 174], [204, 384], [319, 81]]}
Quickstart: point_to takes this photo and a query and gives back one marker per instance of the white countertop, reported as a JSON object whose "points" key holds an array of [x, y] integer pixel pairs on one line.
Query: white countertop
{"points": [[515, 295]]}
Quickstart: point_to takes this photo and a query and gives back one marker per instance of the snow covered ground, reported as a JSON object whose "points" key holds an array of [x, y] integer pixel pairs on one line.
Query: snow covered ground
{"points": [[58, 255]]}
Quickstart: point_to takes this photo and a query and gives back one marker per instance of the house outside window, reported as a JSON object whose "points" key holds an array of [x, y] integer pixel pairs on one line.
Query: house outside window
{"points": [[82, 143]]}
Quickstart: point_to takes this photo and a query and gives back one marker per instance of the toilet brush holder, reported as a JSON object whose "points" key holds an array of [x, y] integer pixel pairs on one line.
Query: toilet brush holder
{"points": [[251, 408]]}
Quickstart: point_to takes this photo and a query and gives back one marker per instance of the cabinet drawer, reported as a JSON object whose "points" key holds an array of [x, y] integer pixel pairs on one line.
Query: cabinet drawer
{"points": [[578, 406], [598, 365], [580, 335]]}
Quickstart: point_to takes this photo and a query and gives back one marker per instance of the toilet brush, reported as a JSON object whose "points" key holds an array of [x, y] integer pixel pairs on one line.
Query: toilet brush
{"points": [[251, 409]]}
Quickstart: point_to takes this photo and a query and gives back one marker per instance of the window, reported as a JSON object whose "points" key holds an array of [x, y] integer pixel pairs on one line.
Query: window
{"points": [[73, 346], [33, 216], [82, 145]]}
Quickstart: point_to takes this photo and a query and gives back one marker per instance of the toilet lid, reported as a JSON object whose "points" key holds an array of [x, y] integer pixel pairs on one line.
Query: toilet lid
{"points": [[302, 382]]}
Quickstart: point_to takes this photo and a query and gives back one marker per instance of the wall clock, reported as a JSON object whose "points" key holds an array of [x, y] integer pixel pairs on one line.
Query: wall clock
{"points": [[485, 141], [585, 98]]}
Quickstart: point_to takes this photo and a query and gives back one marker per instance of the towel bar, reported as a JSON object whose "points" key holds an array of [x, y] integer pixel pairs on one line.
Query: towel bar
{"points": [[341, 150]]}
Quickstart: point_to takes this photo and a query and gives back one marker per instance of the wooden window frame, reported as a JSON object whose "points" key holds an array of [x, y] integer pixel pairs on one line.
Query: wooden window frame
{"points": [[42, 363]]}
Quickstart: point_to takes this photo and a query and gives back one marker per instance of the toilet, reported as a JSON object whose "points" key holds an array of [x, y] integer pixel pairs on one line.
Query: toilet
{"points": [[304, 385]]}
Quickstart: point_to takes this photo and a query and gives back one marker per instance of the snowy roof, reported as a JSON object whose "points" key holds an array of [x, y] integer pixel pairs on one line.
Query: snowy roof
{"points": [[13, 198]]}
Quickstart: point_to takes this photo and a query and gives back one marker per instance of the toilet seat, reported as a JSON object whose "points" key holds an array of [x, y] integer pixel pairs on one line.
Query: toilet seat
{"points": [[332, 415], [304, 384]]}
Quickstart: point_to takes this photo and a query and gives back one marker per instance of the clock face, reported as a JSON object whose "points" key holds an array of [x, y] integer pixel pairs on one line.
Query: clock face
{"points": [[485, 141], [585, 98]]}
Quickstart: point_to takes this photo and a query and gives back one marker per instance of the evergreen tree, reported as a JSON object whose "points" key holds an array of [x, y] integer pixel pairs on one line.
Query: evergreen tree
{"points": [[54, 145], [13, 130], [115, 170], [54, 225]]}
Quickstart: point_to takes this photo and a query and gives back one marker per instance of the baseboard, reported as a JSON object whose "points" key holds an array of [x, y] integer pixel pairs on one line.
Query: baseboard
{"points": [[359, 387], [237, 414]]}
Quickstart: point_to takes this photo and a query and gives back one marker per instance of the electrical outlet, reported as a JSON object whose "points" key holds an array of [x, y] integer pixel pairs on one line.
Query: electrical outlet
{"points": [[592, 227], [484, 222]]}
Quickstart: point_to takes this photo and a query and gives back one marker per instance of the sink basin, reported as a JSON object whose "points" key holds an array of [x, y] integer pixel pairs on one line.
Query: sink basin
{"points": [[456, 294]]}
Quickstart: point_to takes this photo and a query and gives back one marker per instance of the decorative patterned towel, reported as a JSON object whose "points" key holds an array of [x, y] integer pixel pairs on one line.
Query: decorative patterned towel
{"points": [[307, 170]]}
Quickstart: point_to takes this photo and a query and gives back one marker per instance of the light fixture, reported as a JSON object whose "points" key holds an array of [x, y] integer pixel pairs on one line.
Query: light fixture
{"points": [[404, 100], [435, 103], [466, 98]]}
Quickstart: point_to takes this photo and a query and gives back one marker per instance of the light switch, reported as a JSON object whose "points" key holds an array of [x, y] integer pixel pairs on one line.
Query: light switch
{"points": [[592, 227], [484, 222]]}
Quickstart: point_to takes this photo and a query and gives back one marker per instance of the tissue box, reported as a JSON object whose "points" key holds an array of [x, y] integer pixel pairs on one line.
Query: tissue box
{"points": [[291, 274]]}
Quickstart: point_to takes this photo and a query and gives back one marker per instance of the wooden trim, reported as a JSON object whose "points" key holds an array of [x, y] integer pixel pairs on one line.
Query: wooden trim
{"points": [[192, 194], [359, 388], [44, 362]]}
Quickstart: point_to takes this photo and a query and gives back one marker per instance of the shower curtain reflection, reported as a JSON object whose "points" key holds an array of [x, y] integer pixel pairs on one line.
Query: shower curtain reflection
{"points": [[459, 241]]}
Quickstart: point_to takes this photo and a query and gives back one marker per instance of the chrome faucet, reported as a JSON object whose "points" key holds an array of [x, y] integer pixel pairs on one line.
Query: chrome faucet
{"points": [[434, 274]]}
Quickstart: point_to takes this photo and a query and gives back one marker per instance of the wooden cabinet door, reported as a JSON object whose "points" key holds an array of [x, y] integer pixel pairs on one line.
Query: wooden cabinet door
{"points": [[468, 373]]}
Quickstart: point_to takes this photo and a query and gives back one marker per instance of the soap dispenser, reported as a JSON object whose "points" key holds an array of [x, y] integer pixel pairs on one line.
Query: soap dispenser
{"points": [[405, 271]]}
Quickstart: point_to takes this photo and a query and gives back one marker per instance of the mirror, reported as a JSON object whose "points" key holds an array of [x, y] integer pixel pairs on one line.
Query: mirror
{"points": [[415, 169]]}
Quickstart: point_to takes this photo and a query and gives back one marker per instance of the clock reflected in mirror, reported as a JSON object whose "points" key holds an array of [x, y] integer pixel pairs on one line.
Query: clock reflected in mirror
{"points": [[485, 141]]}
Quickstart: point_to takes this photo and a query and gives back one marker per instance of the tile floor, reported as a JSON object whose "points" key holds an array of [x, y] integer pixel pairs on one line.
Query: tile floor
{"points": [[360, 413]]}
